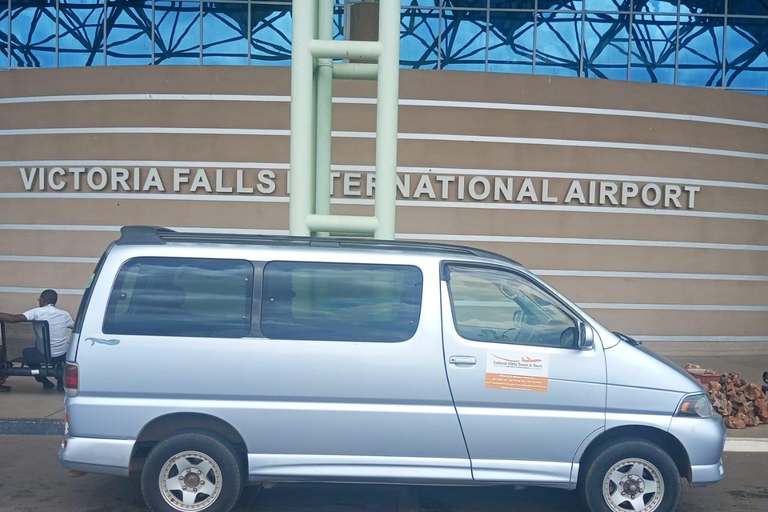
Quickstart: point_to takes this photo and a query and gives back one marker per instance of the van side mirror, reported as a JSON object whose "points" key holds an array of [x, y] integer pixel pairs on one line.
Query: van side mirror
{"points": [[586, 336]]}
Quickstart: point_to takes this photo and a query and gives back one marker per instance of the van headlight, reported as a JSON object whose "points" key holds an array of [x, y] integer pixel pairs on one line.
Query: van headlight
{"points": [[695, 406]]}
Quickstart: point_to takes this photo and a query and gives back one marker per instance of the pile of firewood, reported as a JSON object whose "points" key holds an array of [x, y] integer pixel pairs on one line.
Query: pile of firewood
{"points": [[740, 403]]}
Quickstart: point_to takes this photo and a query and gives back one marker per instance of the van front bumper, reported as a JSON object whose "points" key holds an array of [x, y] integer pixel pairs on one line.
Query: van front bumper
{"points": [[94, 455], [703, 440], [706, 475]]}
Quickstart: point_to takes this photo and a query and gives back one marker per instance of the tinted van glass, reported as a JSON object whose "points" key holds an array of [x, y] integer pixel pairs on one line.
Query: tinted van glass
{"points": [[340, 302], [501, 307], [181, 297]]}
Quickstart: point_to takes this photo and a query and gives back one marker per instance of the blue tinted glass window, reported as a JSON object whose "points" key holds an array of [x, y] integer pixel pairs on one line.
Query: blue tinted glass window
{"points": [[665, 6], [422, 3], [340, 302], [561, 5], [510, 46], [747, 58], [606, 46], [513, 4], [129, 32], [748, 7], [33, 33], [338, 23], [181, 297], [702, 6], [5, 21], [558, 44], [81, 33], [470, 4], [271, 32], [463, 40], [225, 33], [608, 5], [700, 60], [653, 49], [177, 33], [418, 38]]}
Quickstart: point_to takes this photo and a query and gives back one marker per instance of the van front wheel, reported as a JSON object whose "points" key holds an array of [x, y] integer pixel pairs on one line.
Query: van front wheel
{"points": [[192, 472], [632, 476]]}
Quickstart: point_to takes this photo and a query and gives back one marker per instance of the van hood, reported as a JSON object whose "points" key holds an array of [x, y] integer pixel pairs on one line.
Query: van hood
{"points": [[640, 367]]}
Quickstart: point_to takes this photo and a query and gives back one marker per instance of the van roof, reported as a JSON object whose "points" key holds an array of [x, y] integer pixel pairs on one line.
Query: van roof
{"points": [[153, 235]]}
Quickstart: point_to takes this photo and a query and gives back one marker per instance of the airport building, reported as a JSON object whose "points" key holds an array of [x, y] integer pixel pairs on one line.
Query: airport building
{"points": [[618, 148]]}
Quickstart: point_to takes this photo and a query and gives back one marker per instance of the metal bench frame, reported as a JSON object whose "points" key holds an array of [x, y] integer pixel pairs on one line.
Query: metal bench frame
{"points": [[47, 369]]}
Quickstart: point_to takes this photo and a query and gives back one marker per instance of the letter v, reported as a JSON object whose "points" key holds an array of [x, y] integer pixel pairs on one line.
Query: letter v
{"points": [[28, 179]]}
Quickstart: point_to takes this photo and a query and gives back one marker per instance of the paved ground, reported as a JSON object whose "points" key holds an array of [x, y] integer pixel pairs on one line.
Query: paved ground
{"points": [[31, 480]]}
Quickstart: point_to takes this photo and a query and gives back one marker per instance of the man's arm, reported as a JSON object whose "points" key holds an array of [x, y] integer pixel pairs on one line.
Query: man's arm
{"points": [[12, 319]]}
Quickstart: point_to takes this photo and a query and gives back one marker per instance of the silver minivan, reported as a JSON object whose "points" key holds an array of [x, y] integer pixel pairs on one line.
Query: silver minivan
{"points": [[205, 362]]}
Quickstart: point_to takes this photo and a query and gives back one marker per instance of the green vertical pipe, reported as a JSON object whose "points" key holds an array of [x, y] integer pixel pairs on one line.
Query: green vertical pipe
{"points": [[324, 115], [302, 71], [386, 118]]}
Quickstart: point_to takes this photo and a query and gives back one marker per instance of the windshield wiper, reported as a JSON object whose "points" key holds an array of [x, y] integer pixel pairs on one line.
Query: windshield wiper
{"points": [[627, 339]]}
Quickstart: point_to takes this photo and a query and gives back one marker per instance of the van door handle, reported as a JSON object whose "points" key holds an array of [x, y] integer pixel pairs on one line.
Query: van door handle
{"points": [[462, 360]]}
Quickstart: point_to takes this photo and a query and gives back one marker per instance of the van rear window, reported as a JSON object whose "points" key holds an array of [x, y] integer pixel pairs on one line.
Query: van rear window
{"points": [[181, 297], [340, 302]]}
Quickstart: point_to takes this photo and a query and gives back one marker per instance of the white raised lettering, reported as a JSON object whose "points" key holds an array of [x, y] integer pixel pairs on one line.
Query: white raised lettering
{"points": [[460, 193], [335, 175], [502, 187], [90, 178], [241, 188], [644, 196], [404, 185], [220, 183], [545, 197], [444, 181], [575, 192], [671, 195], [370, 184], [136, 178], [28, 177], [628, 191], [592, 191], [486, 186], [53, 182], [691, 190], [200, 180], [352, 179], [424, 187], [266, 183], [119, 177], [77, 173], [608, 191], [527, 191], [180, 175], [153, 180]]}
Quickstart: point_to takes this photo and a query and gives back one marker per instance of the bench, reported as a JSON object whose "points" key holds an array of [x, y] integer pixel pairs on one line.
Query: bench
{"points": [[14, 338]]}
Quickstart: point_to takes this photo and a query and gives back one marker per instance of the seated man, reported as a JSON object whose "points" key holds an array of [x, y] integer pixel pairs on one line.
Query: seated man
{"points": [[58, 323]]}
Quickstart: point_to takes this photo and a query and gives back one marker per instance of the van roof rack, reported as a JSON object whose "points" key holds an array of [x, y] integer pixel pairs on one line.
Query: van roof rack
{"points": [[154, 235]]}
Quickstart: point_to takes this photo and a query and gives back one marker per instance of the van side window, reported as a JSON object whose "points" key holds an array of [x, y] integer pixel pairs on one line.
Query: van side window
{"points": [[181, 297], [340, 301], [501, 307]]}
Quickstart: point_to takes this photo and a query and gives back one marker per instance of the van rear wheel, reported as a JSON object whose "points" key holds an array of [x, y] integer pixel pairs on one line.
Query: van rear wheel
{"points": [[192, 472], [632, 476]]}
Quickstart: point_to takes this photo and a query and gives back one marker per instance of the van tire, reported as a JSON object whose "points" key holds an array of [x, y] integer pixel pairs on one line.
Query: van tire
{"points": [[631, 466], [197, 458]]}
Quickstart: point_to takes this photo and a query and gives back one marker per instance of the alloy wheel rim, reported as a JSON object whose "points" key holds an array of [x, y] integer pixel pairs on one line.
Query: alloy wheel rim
{"points": [[633, 485], [190, 481]]}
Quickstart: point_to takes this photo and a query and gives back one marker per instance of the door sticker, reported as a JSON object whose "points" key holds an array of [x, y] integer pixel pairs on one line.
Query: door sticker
{"points": [[517, 370]]}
